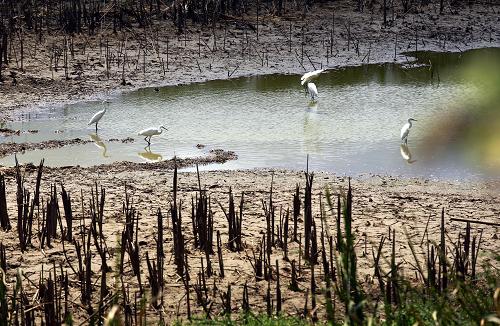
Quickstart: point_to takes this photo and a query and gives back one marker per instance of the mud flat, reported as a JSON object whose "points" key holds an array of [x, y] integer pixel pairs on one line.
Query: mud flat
{"points": [[329, 35], [381, 204]]}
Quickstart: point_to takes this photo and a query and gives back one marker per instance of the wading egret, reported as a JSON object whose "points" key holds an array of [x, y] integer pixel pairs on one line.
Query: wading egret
{"points": [[149, 132], [308, 76], [313, 91], [406, 130], [95, 119]]}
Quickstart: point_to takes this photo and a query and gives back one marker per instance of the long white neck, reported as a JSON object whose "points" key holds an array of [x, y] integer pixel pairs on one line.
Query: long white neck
{"points": [[160, 130], [409, 122]]}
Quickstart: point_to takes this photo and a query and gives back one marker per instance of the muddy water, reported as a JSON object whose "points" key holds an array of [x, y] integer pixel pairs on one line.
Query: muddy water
{"points": [[269, 121]]}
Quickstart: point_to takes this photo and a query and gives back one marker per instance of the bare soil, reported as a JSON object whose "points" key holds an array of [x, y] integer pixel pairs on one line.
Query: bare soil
{"points": [[380, 204]]}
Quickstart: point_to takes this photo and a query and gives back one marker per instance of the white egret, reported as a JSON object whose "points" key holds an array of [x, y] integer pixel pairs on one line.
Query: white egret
{"points": [[313, 91], [308, 76], [149, 132], [406, 130], [95, 119]]}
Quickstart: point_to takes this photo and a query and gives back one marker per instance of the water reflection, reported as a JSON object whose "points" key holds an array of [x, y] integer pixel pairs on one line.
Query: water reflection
{"points": [[312, 130], [150, 156], [270, 122], [99, 143], [313, 105], [406, 154]]}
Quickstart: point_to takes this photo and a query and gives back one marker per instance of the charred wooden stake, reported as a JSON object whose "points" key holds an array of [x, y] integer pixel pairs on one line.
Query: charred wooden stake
{"points": [[154, 279], [305, 311], [326, 266], [47, 296], [235, 221], [246, 301], [160, 253], [52, 216], [269, 300], [278, 289], [175, 213], [185, 280], [285, 235], [68, 214], [135, 261], [332, 268], [67, 312], [443, 265], [294, 285], [226, 300], [308, 219], [296, 212], [3, 258], [202, 220], [339, 233], [475, 254], [87, 295], [23, 198], [4, 216], [314, 244], [219, 254], [392, 291], [100, 244], [258, 265], [313, 296], [377, 272]]}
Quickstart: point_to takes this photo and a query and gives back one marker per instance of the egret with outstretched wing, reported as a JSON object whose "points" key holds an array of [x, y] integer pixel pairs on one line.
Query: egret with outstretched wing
{"points": [[308, 76]]}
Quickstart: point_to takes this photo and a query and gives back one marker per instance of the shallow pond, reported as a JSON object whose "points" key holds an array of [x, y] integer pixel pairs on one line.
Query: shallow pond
{"points": [[269, 121]]}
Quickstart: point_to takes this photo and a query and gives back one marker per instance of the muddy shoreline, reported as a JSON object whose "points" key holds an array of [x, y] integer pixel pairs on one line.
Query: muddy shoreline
{"points": [[351, 38], [380, 204]]}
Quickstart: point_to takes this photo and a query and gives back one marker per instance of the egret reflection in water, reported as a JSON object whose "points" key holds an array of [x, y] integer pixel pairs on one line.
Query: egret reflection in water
{"points": [[267, 121], [99, 143], [312, 131], [150, 156], [406, 153], [313, 106]]}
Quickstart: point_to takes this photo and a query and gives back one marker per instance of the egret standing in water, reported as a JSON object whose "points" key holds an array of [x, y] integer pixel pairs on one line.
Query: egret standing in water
{"points": [[97, 117], [405, 131], [307, 77], [149, 132], [313, 91]]}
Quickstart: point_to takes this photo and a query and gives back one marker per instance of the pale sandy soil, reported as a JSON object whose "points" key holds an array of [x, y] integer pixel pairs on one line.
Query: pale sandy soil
{"points": [[380, 203]]}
